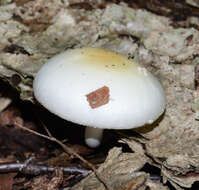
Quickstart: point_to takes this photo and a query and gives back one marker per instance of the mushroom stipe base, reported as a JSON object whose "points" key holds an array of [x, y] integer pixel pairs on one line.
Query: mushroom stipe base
{"points": [[93, 136]]}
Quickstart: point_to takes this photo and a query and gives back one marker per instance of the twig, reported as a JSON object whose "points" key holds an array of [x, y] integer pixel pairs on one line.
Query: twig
{"points": [[67, 150], [46, 129], [73, 181], [33, 169]]}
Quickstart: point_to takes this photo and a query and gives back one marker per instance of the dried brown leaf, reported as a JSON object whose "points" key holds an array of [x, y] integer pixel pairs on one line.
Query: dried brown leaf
{"points": [[46, 183], [10, 116], [118, 170], [6, 181]]}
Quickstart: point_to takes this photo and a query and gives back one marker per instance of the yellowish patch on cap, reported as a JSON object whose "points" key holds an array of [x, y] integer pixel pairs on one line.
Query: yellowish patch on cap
{"points": [[105, 58]]}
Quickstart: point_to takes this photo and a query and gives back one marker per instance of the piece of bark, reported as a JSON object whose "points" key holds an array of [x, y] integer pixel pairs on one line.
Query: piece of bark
{"points": [[98, 97]]}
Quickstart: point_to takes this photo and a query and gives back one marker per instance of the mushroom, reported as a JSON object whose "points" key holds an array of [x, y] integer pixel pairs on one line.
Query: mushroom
{"points": [[99, 89]]}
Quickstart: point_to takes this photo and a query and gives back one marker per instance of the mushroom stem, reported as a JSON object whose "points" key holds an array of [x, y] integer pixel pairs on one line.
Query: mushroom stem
{"points": [[93, 136]]}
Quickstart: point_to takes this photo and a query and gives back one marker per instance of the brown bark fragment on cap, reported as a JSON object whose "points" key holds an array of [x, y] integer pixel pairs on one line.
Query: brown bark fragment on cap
{"points": [[98, 97]]}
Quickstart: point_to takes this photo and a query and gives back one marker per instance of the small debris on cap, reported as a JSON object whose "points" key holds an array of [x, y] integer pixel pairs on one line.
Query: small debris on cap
{"points": [[98, 97]]}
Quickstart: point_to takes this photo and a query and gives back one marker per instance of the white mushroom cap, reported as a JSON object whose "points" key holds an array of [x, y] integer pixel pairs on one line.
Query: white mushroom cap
{"points": [[99, 88]]}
